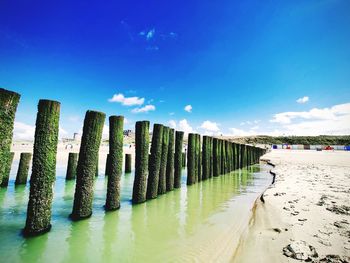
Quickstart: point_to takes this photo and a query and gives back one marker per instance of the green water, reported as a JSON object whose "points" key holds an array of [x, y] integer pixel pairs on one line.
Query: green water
{"points": [[176, 227]]}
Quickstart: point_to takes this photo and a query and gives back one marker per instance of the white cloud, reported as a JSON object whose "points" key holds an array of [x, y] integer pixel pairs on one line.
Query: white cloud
{"points": [[146, 108], [127, 101], [150, 34], [240, 132], [334, 120], [315, 113], [185, 126], [23, 131], [188, 108], [210, 126], [172, 124], [303, 100]]}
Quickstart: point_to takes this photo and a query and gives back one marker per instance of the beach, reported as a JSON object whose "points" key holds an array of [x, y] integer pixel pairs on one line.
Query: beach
{"points": [[305, 214]]}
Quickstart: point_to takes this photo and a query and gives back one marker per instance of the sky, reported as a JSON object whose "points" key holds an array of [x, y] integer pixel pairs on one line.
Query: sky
{"points": [[212, 67]]}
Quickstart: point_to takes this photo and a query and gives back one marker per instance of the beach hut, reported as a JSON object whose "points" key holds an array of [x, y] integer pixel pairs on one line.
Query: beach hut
{"points": [[300, 147], [347, 148], [308, 147], [274, 146], [312, 147]]}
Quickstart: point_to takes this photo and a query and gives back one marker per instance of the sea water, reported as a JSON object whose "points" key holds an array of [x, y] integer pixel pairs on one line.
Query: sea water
{"points": [[198, 223]]}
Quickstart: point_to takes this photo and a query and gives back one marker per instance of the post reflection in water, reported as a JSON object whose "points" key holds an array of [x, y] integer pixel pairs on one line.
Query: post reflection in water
{"points": [[180, 225]]}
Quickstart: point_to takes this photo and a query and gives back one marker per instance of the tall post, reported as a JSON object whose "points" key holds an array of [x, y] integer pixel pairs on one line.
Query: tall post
{"points": [[199, 158], [116, 125], [87, 162], [179, 135], [211, 156], [6, 175], [205, 158], [72, 166], [184, 158], [43, 168], [163, 163], [23, 168], [154, 161], [191, 159], [216, 157], [128, 163], [108, 165], [8, 107], [170, 161], [141, 162]]}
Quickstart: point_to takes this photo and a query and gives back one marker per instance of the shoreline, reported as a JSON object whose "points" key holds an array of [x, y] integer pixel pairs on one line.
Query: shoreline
{"points": [[308, 202]]}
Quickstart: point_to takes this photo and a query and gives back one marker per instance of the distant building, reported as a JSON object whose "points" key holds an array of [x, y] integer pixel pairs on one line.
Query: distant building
{"points": [[76, 137], [127, 132]]}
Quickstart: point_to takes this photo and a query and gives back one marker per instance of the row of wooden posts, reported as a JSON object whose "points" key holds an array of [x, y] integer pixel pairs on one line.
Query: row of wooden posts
{"points": [[155, 173]]}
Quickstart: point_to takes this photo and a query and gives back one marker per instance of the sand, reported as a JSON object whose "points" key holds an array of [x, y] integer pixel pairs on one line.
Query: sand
{"points": [[307, 207]]}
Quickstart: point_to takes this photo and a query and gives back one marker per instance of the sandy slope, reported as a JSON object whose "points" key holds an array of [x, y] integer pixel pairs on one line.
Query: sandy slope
{"points": [[310, 201]]}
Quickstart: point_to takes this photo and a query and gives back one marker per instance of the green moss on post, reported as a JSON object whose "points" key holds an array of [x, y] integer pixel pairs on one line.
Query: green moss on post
{"points": [[211, 157], [141, 161], [154, 161], [128, 162], [191, 159], [170, 161], [178, 158], [96, 167], [163, 163], [87, 164], [6, 175], [205, 158], [223, 157], [199, 158], [72, 166], [184, 158], [8, 107], [216, 157], [108, 165], [23, 168], [116, 127], [43, 168]]}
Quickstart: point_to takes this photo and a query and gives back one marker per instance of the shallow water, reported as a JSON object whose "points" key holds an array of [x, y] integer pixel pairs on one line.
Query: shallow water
{"points": [[197, 223]]}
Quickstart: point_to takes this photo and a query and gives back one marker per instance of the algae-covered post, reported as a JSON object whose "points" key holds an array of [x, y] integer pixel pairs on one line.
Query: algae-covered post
{"points": [[154, 161], [205, 158], [96, 167], [128, 163], [8, 107], [72, 166], [141, 161], [163, 163], [191, 159], [43, 168], [170, 161], [23, 168], [223, 157], [116, 125], [199, 158], [6, 174], [86, 169], [178, 162], [184, 159], [108, 165], [216, 160]]}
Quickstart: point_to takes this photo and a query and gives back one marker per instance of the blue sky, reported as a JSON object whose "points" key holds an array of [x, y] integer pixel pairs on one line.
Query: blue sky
{"points": [[241, 65]]}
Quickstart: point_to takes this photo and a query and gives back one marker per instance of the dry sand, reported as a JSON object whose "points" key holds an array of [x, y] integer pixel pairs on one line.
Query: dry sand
{"points": [[309, 205]]}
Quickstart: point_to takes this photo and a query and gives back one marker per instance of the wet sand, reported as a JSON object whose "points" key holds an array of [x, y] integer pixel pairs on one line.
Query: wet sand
{"points": [[308, 208]]}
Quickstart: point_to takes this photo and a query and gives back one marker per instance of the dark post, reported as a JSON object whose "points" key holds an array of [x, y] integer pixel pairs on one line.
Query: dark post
{"points": [[6, 175], [43, 168], [72, 166], [8, 107], [23, 168], [108, 165], [141, 162], [154, 161], [191, 159], [87, 162], [163, 163], [170, 162], [128, 163], [179, 135], [116, 125]]}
